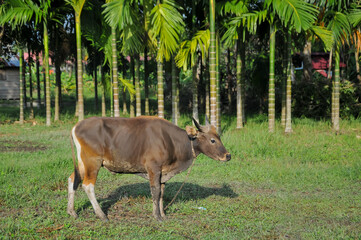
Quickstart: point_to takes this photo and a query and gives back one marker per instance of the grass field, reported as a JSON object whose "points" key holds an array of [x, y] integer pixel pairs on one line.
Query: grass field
{"points": [[306, 185]]}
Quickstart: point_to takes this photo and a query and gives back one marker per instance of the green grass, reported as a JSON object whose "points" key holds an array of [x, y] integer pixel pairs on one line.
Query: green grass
{"points": [[306, 185]]}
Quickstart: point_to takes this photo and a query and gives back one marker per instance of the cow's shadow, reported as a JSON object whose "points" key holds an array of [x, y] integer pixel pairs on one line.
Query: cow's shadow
{"points": [[189, 191]]}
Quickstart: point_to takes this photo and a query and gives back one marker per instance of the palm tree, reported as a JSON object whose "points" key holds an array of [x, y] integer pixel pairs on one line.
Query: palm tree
{"points": [[115, 73], [124, 16], [175, 91], [236, 31], [78, 7], [296, 14], [355, 20], [138, 100], [212, 62], [19, 13], [167, 24], [191, 53], [337, 21], [21, 57]]}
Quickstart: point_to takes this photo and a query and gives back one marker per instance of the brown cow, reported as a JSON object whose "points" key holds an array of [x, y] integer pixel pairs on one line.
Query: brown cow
{"points": [[150, 147]]}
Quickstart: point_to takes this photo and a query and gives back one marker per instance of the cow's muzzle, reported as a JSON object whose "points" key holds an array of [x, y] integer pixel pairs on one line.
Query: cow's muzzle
{"points": [[226, 157]]}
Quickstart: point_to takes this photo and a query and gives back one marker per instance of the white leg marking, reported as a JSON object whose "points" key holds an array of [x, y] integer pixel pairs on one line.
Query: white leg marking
{"points": [[78, 151], [71, 194], [89, 189]]}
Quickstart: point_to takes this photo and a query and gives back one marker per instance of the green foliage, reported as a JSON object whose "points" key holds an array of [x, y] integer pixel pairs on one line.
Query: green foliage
{"points": [[339, 25], [294, 14], [189, 49], [167, 24]]}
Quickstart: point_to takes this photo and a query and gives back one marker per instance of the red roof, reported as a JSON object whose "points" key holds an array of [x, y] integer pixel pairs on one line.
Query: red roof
{"points": [[320, 61]]}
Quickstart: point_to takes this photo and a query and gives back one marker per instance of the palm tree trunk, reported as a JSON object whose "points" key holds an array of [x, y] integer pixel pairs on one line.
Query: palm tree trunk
{"points": [[177, 96], [38, 80], [95, 72], [288, 128], [146, 82], [79, 67], [195, 75], [336, 87], [115, 74], [21, 66], [124, 94], [132, 113], [357, 63], [57, 90], [47, 80], [271, 89], [103, 91], [239, 85], [229, 80], [138, 99], [206, 79], [284, 83], [160, 89], [174, 94], [76, 89], [208, 113], [219, 130], [329, 78], [24, 83], [212, 62], [44, 86], [31, 116], [243, 81], [111, 92], [307, 60]]}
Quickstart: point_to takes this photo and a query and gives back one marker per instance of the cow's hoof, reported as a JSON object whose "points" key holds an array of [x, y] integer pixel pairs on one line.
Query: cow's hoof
{"points": [[73, 214]]}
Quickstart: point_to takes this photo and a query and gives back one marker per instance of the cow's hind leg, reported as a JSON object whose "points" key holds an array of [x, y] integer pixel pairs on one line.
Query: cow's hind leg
{"points": [[71, 195], [161, 202], [155, 188], [90, 176]]}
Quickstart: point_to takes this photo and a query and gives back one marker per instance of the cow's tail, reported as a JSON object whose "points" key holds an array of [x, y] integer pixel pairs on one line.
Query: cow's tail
{"points": [[77, 177]]}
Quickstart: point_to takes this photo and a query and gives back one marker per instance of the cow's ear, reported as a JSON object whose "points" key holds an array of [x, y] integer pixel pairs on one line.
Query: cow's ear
{"points": [[192, 132]]}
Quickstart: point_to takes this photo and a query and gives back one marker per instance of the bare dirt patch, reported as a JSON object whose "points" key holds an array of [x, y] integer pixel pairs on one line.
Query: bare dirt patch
{"points": [[20, 146]]}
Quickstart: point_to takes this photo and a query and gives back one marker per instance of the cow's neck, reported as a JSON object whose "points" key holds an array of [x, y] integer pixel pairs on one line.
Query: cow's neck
{"points": [[194, 146]]}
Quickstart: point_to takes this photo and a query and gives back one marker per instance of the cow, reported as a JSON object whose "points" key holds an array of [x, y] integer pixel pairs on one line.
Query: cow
{"points": [[150, 147]]}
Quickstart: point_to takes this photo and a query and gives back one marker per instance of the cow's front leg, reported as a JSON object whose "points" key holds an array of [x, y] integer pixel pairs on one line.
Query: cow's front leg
{"points": [[154, 179], [161, 206]]}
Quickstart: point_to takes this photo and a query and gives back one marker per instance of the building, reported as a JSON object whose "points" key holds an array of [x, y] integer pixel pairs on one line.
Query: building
{"points": [[9, 78]]}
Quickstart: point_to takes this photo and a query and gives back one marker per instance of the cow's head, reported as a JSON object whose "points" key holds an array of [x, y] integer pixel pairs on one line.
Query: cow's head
{"points": [[208, 141]]}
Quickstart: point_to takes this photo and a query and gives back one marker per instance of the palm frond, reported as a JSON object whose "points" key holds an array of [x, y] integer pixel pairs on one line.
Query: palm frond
{"points": [[189, 48], [127, 85], [167, 24], [297, 14], [324, 35], [340, 26], [18, 12], [356, 39], [236, 7], [355, 16], [77, 5], [118, 13]]}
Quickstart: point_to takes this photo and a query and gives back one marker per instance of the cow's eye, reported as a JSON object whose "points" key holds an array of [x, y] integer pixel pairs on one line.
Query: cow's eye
{"points": [[212, 140]]}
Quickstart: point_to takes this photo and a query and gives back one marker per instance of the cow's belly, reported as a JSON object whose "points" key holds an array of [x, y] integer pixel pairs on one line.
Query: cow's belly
{"points": [[123, 167]]}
